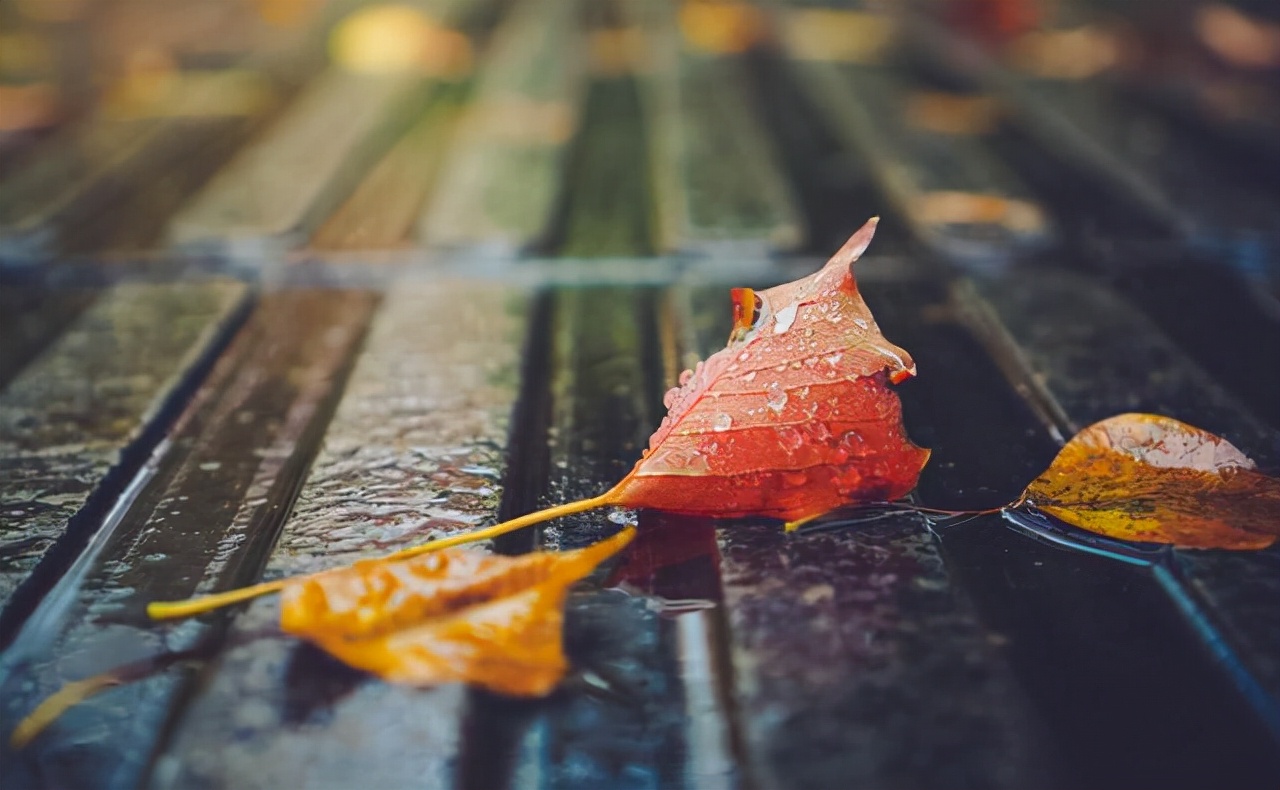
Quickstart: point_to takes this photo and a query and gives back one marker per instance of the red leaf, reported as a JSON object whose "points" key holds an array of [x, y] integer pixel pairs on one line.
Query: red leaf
{"points": [[794, 418]]}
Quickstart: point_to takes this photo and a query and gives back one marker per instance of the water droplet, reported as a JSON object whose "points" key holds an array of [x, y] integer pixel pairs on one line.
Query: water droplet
{"points": [[776, 397], [723, 422], [790, 439], [853, 443], [808, 331], [619, 517], [861, 322], [786, 317], [744, 356], [750, 376]]}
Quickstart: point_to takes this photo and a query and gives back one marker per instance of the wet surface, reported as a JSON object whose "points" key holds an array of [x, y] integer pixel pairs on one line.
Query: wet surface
{"points": [[875, 649], [1137, 656], [69, 419], [207, 513], [415, 449], [619, 721]]}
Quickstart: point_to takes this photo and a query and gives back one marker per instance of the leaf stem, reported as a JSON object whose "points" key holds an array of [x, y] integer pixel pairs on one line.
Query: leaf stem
{"points": [[170, 610]]}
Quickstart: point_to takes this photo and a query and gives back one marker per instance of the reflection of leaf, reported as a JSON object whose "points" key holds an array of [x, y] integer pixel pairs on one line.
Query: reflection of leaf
{"points": [[1149, 478], [489, 620], [794, 418]]}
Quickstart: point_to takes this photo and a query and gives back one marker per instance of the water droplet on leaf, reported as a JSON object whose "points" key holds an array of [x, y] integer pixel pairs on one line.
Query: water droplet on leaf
{"points": [[776, 397], [786, 317]]}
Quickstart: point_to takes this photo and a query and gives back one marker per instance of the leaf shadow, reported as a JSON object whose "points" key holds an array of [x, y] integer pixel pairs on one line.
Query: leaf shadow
{"points": [[314, 682]]}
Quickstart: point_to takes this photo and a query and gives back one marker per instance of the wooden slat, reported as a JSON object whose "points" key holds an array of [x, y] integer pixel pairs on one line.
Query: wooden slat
{"points": [[286, 182], [1102, 651], [1137, 157], [501, 186], [717, 182], [74, 415], [382, 210], [31, 317], [415, 449], [622, 715], [58, 178], [930, 150], [1117, 362], [90, 169], [856, 658], [220, 489]]}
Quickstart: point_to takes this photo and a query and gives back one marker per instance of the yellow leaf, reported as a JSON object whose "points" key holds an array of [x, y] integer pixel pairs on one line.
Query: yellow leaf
{"points": [[1145, 477], [453, 615]]}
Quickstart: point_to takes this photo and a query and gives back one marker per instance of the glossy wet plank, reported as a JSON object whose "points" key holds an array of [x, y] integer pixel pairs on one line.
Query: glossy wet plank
{"points": [[56, 178], [381, 211], [71, 189], [31, 317], [717, 182], [288, 179], [77, 422], [415, 449], [1105, 656], [931, 153], [502, 185], [1089, 371], [219, 490], [856, 657]]}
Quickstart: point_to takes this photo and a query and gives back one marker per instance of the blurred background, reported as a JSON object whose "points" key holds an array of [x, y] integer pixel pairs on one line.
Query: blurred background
{"points": [[1135, 140]]}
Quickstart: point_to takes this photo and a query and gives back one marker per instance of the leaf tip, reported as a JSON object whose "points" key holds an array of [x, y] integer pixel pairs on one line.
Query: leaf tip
{"points": [[857, 244]]}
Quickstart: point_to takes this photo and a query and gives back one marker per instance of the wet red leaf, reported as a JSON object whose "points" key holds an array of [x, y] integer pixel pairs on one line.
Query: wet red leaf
{"points": [[795, 417]]}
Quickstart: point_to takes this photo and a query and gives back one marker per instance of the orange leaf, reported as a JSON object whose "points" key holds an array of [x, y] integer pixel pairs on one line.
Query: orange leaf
{"points": [[1149, 478], [454, 615], [794, 418]]}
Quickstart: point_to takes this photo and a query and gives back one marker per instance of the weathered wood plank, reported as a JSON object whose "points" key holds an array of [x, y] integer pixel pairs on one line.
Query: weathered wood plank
{"points": [[381, 211], [621, 719], [94, 168], [1133, 155], [53, 183], [1086, 634], [929, 149], [856, 658], [31, 317], [501, 187], [1116, 362], [415, 449], [221, 487], [717, 182], [286, 182], [76, 414]]}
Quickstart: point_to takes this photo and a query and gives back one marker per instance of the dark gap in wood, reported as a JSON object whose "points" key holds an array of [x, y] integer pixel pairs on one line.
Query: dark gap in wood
{"points": [[89, 519], [834, 187], [606, 207]]}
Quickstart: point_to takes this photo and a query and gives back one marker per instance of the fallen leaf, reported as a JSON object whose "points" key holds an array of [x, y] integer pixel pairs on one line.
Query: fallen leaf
{"points": [[489, 620], [794, 418], [1145, 477]]}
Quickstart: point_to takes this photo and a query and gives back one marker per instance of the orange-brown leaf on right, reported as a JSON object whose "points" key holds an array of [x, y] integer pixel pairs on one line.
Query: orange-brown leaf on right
{"points": [[1145, 477], [454, 615]]}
